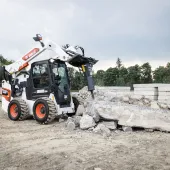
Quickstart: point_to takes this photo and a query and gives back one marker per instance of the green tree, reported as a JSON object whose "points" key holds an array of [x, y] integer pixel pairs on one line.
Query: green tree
{"points": [[4, 61], [134, 75], [146, 73], [99, 77], [79, 81], [162, 74], [167, 74], [111, 76], [122, 79], [119, 63], [159, 74]]}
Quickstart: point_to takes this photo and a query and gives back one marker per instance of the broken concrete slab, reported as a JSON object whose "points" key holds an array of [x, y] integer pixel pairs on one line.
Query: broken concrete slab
{"points": [[144, 117], [104, 109], [134, 115]]}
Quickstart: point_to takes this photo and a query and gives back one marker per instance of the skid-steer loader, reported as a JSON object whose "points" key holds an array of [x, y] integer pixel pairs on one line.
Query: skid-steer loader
{"points": [[38, 84]]}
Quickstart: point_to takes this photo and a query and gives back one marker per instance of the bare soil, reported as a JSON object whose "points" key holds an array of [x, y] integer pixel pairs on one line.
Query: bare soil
{"points": [[26, 145]]}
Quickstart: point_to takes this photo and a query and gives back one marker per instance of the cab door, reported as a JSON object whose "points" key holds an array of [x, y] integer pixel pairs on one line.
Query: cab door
{"points": [[61, 84], [39, 82]]}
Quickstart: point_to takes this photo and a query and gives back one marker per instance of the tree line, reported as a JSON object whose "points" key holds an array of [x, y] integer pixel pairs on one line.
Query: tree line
{"points": [[4, 61], [118, 75]]}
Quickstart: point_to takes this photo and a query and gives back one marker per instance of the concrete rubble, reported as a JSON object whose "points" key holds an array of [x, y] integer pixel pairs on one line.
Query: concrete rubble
{"points": [[112, 125], [80, 110], [102, 129], [112, 108], [127, 129], [87, 122], [70, 124]]}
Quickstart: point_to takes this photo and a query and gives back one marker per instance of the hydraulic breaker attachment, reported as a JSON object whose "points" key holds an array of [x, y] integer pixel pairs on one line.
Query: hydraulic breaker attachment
{"points": [[87, 70], [86, 64]]}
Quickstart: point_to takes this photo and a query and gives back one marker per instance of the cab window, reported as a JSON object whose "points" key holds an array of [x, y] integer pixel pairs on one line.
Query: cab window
{"points": [[40, 75]]}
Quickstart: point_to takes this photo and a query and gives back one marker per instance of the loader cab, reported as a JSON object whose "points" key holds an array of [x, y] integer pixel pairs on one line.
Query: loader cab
{"points": [[49, 76]]}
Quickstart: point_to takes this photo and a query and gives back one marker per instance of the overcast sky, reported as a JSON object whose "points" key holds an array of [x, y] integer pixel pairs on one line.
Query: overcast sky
{"points": [[134, 30]]}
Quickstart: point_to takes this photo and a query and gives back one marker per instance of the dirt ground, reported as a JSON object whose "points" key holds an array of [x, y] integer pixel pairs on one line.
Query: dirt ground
{"points": [[26, 145]]}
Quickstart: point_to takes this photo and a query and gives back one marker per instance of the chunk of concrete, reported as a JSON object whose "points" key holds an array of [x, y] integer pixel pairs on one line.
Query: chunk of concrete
{"points": [[162, 105], [112, 125], [91, 111], [127, 129], [80, 110], [168, 106], [71, 126], [137, 97], [97, 169], [146, 101], [91, 129], [87, 122], [76, 120], [154, 105], [125, 99], [105, 111], [61, 120], [102, 129]]}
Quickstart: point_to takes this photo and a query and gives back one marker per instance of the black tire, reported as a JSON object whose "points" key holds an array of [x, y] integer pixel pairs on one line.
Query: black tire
{"points": [[44, 110], [18, 110], [76, 103]]}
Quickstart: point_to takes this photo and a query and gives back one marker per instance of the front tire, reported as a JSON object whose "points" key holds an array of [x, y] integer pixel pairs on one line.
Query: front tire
{"points": [[44, 110], [18, 110]]}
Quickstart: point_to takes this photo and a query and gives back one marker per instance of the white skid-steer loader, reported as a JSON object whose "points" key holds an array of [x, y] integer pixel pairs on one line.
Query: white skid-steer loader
{"points": [[38, 83]]}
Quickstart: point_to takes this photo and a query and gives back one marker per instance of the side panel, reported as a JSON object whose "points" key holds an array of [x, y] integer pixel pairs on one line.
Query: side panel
{"points": [[6, 95]]}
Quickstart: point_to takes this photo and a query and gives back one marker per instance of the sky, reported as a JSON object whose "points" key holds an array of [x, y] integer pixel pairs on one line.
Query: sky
{"points": [[136, 31]]}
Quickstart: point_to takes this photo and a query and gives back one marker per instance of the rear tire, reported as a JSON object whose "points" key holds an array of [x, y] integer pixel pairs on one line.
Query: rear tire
{"points": [[44, 110], [18, 110]]}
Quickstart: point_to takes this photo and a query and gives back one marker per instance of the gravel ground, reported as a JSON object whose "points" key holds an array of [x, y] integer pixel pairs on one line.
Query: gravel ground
{"points": [[26, 145]]}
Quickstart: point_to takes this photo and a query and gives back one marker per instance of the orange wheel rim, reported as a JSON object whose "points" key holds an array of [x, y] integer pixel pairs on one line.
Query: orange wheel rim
{"points": [[40, 111], [14, 110]]}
